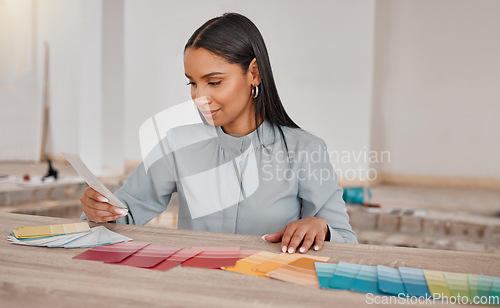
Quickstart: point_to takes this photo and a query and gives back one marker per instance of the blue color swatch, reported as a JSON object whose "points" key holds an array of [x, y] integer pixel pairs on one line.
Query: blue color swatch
{"points": [[389, 280], [414, 281]]}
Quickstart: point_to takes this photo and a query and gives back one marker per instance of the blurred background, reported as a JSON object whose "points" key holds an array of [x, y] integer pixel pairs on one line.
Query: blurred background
{"points": [[406, 94]]}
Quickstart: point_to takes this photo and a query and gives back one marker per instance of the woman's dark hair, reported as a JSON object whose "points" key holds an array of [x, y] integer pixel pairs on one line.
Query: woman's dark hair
{"points": [[236, 39]]}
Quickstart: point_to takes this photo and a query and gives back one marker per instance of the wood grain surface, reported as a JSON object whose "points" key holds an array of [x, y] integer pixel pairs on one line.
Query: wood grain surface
{"points": [[49, 277]]}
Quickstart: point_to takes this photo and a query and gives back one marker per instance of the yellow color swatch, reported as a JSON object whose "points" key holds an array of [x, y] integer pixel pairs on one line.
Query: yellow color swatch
{"points": [[49, 230], [458, 284], [246, 266], [437, 283], [301, 271]]}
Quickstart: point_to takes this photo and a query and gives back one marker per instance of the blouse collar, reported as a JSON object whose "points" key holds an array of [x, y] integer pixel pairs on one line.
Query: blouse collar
{"points": [[238, 145]]}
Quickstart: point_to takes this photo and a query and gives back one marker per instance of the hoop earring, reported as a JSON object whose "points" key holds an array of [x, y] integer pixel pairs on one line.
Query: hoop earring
{"points": [[255, 91]]}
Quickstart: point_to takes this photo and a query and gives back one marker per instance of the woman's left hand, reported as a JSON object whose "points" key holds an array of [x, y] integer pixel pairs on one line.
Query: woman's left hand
{"points": [[308, 231]]}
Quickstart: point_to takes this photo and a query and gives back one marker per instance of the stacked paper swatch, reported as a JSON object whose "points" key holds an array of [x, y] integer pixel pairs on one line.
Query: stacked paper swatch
{"points": [[73, 235], [406, 281], [162, 258]]}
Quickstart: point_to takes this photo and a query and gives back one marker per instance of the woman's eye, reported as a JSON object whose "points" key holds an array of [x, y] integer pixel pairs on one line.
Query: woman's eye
{"points": [[191, 83], [214, 83]]}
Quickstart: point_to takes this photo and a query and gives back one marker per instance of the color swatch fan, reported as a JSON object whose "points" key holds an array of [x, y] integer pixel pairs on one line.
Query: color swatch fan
{"points": [[72, 235]]}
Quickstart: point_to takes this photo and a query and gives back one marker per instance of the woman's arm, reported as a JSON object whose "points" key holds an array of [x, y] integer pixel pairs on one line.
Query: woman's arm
{"points": [[323, 209], [146, 194]]}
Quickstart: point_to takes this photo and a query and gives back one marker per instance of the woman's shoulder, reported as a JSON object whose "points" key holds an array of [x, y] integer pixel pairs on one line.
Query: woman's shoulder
{"points": [[189, 134], [191, 130], [300, 138]]}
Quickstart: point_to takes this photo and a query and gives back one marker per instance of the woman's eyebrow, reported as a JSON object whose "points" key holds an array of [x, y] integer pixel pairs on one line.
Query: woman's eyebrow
{"points": [[207, 75]]}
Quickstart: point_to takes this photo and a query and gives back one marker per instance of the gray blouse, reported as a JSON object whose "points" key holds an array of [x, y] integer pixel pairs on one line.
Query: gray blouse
{"points": [[254, 184]]}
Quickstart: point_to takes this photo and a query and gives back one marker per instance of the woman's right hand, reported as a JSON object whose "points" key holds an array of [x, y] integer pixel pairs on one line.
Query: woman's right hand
{"points": [[97, 209]]}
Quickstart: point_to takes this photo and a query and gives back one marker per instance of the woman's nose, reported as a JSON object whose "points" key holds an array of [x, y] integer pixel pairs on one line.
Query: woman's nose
{"points": [[202, 101]]}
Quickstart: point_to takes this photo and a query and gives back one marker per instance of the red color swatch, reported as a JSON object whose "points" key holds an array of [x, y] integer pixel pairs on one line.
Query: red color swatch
{"points": [[176, 259], [111, 253], [214, 257], [149, 256]]}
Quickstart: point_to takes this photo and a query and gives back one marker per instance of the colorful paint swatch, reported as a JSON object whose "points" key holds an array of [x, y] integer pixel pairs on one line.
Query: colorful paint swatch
{"points": [[414, 280], [301, 271], [495, 290], [47, 240], [344, 276], [247, 253], [111, 253], [214, 257], [149, 256], [100, 236], [246, 266], [325, 272], [389, 280], [107, 236], [458, 284], [473, 286], [366, 281], [176, 259], [484, 285], [437, 284], [37, 231], [284, 259], [96, 236]]}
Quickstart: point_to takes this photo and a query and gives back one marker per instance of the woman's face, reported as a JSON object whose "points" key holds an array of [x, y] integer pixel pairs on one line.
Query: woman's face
{"points": [[221, 90]]}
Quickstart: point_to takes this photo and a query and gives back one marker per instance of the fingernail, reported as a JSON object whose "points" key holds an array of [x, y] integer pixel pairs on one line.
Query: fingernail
{"points": [[290, 250], [283, 249], [316, 247], [121, 211], [302, 249], [102, 199], [264, 237]]}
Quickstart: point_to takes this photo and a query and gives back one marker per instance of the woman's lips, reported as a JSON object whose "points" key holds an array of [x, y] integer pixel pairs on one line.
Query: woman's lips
{"points": [[209, 113]]}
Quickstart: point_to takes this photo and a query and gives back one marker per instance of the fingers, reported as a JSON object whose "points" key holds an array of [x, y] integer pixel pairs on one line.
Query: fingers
{"points": [[287, 236], [97, 210], [307, 242], [103, 218], [275, 237], [319, 242], [91, 193], [304, 233], [297, 238]]}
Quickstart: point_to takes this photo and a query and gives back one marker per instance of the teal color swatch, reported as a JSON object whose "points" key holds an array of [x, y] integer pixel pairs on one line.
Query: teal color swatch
{"points": [[366, 280], [495, 291], [484, 285], [325, 272], [344, 276], [473, 285]]}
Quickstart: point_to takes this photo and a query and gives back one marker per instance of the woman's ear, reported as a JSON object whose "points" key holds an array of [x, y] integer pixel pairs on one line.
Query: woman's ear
{"points": [[253, 71]]}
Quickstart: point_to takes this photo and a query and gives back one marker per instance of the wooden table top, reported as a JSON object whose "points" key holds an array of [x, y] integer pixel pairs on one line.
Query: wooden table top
{"points": [[49, 277]]}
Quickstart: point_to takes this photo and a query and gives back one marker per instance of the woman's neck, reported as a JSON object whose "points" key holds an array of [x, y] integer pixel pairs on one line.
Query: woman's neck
{"points": [[242, 127]]}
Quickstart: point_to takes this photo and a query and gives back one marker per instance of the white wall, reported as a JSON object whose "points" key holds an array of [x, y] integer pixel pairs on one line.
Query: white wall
{"points": [[86, 79], [437, 81], [19, 98], [321, 54], [58, 23], [417, 78]]}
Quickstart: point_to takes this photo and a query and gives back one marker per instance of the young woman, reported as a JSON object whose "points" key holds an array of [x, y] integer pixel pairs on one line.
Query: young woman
{"points": [[249, 168]]}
